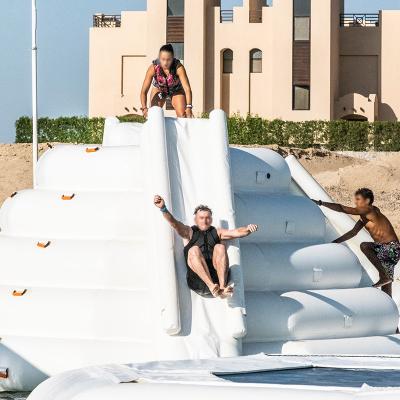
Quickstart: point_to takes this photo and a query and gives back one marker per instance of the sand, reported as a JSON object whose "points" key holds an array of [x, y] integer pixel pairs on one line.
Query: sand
{"points": [[339, 174]]}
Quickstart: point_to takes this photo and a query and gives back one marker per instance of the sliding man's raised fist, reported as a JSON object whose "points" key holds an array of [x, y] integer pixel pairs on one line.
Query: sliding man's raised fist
{"points": [[159, 201]]}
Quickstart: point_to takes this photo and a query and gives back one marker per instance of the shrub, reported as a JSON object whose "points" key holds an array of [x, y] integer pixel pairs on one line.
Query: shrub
{"points": [[249, 130]]}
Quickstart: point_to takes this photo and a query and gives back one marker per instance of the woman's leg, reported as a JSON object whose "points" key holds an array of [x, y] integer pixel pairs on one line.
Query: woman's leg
{"points": [[178, 101], [155, 100]]}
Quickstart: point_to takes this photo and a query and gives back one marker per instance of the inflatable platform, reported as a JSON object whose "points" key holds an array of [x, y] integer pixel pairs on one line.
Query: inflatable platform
{"points": [[91, 273]]}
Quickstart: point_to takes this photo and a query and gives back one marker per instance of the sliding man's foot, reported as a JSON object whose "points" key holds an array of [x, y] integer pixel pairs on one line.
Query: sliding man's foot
{"points": [[215, 290], [382, 282], [227, 292]]}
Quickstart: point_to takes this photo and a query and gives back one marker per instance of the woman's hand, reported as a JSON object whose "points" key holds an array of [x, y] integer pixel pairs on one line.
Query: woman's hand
{"points": [[145, 111], [189, 113]]}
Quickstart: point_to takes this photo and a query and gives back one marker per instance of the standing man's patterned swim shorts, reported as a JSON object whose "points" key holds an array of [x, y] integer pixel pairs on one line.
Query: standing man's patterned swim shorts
{"points": [[389, 255]]}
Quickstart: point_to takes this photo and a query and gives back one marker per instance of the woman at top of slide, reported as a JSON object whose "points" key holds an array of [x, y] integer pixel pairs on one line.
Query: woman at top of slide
{"points": [[168, 80]]}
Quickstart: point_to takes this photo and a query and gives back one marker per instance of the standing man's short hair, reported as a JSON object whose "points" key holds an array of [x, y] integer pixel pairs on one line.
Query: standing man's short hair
{"points": [[202, 207], [366, 193]]}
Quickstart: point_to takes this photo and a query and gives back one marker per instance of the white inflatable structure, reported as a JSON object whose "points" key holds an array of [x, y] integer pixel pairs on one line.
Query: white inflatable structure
{"points": [[92, 274]]}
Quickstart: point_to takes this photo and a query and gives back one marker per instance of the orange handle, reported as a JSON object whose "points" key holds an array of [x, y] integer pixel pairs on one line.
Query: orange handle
{"points": [[92, 149], [18, 293], [4, 373], [14, 194], [66, 197], [43, 245]]}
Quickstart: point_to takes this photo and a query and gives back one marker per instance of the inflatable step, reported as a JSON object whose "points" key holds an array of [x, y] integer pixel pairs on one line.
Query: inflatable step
{"points": [[118, 133], [85, 264], [259, 170], [370, 345], [281, 218], [284, 267], [319, 314], [90, 167], [75, 313], [45, 215], [54, 355]]}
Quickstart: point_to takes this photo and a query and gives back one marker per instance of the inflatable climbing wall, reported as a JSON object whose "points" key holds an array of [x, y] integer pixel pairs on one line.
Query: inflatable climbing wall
{"points": [[92, 274]]}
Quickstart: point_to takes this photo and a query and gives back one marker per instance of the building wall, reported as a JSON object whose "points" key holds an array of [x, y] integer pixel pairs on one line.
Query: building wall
{"points": [[389, 108], [114, 53], [359, 60], [344, 61]]}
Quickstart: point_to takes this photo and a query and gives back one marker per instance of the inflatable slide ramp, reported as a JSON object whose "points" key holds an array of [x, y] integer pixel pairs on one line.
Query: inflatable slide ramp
{"points": [[92, 274]]}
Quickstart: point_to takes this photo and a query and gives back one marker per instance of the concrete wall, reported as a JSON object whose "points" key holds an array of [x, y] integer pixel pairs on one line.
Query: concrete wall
{"points": [[117, 56], [348, 60], [389, 108]]}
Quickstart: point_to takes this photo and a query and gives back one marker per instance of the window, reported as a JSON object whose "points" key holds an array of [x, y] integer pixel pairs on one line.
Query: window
{"points": [[302, 8], [301, 28], [179, 51], [227, 61], [176, 8], [301, 97], [256, 61]]}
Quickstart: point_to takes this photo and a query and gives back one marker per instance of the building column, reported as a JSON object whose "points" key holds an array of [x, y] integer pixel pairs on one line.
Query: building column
{"points": [[195, 50], [156, 27]]}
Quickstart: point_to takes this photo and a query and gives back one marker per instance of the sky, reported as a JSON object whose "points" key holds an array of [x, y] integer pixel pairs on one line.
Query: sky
{"points": [[63, 42]]}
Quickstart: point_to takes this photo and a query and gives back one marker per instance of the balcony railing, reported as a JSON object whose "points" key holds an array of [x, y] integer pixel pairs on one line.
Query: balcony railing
{"points": [[226, 16], [106, 21], [359, 20]]}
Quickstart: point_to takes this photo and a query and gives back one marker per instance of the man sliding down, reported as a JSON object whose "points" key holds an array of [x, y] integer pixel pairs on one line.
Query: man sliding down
{"points": [[384, 253], [205, 253]]}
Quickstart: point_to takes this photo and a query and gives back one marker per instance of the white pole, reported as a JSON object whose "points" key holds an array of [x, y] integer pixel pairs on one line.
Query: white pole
{"points": [[34, 93]]}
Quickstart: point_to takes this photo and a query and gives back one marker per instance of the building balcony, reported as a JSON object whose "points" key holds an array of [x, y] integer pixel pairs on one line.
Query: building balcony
{"points": [[359, 20], [106, 21], [226, 16]]}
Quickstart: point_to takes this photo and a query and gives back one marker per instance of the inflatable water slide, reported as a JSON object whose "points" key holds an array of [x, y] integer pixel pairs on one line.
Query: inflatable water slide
{"points": [[92, 274]]}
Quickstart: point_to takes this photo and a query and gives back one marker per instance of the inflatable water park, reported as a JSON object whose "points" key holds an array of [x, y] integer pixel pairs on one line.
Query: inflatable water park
{"points": [[95, 297], [94, 289]]}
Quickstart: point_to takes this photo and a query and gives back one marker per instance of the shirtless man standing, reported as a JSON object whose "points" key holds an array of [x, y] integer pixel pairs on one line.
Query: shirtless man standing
{"points": [[384, 252], [205, 253]]}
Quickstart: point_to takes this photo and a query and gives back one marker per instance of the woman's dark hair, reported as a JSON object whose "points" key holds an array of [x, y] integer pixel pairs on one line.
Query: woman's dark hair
{"points": [[168, 48], [366, 194]]}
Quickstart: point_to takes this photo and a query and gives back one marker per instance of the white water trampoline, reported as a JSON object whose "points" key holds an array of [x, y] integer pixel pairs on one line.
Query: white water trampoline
{"points": [[92, 275]]}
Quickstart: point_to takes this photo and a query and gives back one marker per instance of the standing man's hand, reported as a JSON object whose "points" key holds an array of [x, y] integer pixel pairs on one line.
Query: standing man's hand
{"points": [[252, 228], [159, 201]]}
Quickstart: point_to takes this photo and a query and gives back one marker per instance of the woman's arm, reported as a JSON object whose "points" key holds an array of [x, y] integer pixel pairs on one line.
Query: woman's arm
{"points": [[181, 72], [145, 89]]}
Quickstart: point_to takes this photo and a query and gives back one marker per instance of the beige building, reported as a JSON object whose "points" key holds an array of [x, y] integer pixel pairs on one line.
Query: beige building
{"points": [[295, 60]]}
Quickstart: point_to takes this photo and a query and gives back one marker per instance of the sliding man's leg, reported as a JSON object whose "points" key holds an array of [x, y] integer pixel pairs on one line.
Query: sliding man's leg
{"points": [[369, 250], [198, 264], [221, 264]]}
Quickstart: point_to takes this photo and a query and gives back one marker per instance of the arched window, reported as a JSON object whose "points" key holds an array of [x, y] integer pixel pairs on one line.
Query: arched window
{"points": [[256, 61], [227, 61]]}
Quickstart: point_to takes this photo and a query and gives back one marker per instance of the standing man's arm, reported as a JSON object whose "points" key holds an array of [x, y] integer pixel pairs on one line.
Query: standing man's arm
{"points": [[227, 234], [183, 230], [341, 208], [350, 234]]}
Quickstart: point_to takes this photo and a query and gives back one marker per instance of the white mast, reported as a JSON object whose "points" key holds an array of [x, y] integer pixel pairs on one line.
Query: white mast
{"points": [[34, 93]]}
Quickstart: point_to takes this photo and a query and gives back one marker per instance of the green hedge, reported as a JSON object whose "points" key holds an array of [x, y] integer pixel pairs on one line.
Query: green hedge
{"points": [[250, 130], [66, 129]]}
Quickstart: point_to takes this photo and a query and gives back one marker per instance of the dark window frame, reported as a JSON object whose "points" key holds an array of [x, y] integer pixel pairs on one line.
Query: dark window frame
{"points": [[252, 58], [171, 14], [224, 71], [308, 107]]}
